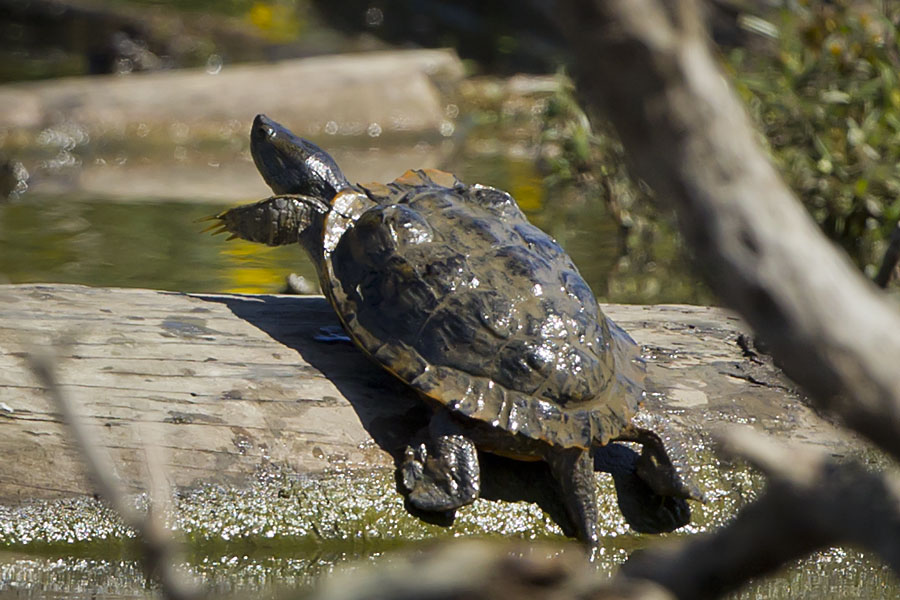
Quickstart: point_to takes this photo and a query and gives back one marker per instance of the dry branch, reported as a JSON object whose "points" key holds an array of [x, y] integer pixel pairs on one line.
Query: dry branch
{"points": [[490, 571], [811, 502], [648, 64], [158, 548], [890, 260]]}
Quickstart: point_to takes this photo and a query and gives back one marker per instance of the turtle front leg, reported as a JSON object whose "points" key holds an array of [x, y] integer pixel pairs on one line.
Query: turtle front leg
{"points": [[573, 469], [275, 221], [442, 473]]}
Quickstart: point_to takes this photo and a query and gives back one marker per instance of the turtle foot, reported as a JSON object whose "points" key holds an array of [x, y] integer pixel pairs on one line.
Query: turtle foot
{"points": [[645, 510], [656, 468], [650, 495], [573, 470], [441, 474]]}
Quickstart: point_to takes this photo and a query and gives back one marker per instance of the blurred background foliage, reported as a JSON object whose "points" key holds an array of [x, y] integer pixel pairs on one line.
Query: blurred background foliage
{"points": [[821, 81], [820, 78], [827, 98]]}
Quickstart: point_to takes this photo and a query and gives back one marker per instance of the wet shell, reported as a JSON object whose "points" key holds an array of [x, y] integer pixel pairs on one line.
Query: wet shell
{"points": [[450, 288]]}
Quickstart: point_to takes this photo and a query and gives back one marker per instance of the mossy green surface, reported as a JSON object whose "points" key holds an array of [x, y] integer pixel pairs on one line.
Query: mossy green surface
{"points": [[350, 508]]}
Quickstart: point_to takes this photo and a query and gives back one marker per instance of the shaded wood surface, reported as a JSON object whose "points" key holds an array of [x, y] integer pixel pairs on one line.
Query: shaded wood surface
{"points": [[226, 383]]}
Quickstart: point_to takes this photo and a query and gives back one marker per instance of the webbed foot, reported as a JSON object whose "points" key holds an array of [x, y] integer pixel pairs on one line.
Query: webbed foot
{"points": [[645, 509], [441, 474]]}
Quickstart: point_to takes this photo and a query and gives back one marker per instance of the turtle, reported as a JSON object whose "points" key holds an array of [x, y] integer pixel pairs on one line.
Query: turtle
{"points": [[451, 289]]}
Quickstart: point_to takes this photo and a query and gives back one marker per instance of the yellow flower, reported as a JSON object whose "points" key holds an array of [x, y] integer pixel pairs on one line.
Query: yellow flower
{"points": [[261, 15]]}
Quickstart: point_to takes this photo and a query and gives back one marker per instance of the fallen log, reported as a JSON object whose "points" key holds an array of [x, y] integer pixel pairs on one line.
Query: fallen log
{"points": [[225, 383]]}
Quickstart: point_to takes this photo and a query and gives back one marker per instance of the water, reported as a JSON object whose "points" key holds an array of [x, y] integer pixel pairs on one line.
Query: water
{"points": [[157, 243], [150, 244], [828, 575]]}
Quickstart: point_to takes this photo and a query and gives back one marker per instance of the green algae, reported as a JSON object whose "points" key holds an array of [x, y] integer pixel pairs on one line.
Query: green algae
{"points": [[832, 574], [284, 531], [357, 508]]}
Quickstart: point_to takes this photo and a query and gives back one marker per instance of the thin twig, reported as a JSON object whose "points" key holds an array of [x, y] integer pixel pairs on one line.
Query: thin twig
{"points": [[811, 502], [159, 551], [890, 260]]}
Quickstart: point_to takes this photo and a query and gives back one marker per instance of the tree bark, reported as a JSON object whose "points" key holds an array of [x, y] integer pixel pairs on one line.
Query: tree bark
{"points": [[811, 502], [890, 260], [648, 64]]}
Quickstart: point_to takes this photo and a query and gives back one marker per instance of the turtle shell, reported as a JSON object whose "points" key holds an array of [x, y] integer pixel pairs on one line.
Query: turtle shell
{"points": [[450, 288]]}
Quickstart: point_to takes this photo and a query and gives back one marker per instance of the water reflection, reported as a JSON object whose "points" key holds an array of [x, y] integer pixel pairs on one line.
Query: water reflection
{"points": [[832, 574], [158, 245], [149, 245]]}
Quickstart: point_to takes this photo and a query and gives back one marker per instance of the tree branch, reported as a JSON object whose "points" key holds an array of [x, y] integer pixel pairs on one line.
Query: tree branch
{"points": [[811, 503], [648, 64], [890, 260], [158, 548]]}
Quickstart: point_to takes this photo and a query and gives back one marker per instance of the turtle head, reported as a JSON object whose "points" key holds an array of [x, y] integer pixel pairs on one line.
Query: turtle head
{"points": [[304, 178], [292, 165]]}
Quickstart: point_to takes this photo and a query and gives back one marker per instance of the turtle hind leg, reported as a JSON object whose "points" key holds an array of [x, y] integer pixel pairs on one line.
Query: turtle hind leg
{"points": [[573, 470], [645, 510], [441, 474], [655, 466]]}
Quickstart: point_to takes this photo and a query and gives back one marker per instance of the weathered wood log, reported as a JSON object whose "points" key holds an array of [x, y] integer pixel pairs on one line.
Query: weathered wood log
{"points": [[395, 95], [221, 393], [225, 383], [392, 89]]}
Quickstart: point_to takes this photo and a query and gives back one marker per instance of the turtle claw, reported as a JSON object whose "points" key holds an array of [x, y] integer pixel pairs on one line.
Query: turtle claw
{"points": [[216, 228]]}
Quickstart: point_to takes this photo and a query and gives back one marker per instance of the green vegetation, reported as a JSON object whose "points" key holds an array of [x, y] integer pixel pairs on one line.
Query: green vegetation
{"points": [[650, 265], [821, 81], [827, 98]]}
